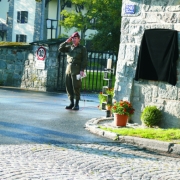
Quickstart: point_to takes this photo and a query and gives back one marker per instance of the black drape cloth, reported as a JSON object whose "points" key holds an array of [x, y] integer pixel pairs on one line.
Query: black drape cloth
{"points": [[158, 56]]}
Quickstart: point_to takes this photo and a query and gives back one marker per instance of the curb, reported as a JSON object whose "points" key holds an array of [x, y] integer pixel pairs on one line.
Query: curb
{"points": [[167, 147]]}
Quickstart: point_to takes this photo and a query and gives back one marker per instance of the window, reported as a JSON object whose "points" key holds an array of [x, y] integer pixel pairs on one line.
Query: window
{"points": [[21, 38], [93, 23], [22, 17]]}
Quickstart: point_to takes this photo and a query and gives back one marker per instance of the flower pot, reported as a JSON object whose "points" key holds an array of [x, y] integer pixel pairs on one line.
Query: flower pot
{"points": [[120, 120]]}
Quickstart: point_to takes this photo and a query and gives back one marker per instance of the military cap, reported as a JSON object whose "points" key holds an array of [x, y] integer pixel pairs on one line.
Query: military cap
{"points": [[76, 34]]}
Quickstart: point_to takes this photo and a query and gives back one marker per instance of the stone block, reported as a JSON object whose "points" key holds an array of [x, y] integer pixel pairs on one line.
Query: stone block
{"points": [[136, 30], [136, 91], [10, 66], [173, 108], [154, 8], [168, 26], [3, 64], [54, 48], [177, 28], [137, 21], [129, 71], [169, 119], [122, 49], [20, 56], [11, 57], [167, 91], [125, 25], [2, 57], [155, 92], [173, 7], [16, 77], [121, 67], [9, 80], [170, 18], [18, 62], [138, 40], [147, 93], [124, 39], [150, 17], [130, 52], [158, 101]]}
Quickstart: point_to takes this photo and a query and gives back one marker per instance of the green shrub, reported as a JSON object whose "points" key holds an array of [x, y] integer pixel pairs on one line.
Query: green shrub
{"points": [[151, 116]]}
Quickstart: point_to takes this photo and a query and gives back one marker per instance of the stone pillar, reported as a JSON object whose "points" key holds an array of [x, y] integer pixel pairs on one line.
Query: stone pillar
{"points": [[147, 14]]}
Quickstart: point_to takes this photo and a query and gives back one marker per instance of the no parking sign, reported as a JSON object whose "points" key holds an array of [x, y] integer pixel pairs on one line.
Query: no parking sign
{"points": [[40, 58]]}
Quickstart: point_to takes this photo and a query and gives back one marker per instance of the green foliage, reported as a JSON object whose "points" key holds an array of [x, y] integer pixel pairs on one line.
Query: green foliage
{"points": [[101, 15], [5, 43], [63, 36], [102, 98], [151, 116]]}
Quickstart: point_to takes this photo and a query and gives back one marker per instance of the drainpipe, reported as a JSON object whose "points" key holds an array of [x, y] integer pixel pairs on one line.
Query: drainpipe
{"points": [[42, 20], [58, 28]]}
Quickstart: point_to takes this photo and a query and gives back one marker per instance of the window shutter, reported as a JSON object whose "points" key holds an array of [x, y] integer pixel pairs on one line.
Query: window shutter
{"points": [[21, 38], [16, 37], [26, 16], [18, 17], [25, 37]]}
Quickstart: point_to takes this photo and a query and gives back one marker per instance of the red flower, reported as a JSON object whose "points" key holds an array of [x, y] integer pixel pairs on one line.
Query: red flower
{"points": [[123, 107]]}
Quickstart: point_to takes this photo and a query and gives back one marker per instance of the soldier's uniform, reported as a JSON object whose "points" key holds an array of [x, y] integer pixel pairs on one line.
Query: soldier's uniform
{"points": [[76, 62]]}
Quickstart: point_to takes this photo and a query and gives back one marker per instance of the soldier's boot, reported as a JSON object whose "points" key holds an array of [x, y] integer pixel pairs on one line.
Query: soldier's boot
{"points": [[71, 104], [76, 107]]}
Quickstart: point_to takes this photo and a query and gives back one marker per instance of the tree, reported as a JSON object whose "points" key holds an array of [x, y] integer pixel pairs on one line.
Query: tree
{"points": [[102, 15]]}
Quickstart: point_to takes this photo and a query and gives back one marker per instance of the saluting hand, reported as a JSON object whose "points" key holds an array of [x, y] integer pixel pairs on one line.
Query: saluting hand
{"points": [[69, 40]]}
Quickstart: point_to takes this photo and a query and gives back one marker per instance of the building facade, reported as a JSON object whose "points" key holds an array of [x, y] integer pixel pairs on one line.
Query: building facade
{"points": [[22, 20], [26, 21]]}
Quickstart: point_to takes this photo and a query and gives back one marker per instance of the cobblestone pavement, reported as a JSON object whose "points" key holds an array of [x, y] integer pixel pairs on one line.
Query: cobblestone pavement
{"points": [[102, 161]]}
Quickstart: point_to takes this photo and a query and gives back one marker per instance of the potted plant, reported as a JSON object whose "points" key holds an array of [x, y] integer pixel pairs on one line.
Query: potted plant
{"points": [[108, 107], [103, 99], [122, 110]]}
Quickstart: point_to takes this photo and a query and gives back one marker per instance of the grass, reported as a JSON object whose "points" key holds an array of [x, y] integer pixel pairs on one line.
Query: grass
{"points": [[94, 81], [169, 135]]}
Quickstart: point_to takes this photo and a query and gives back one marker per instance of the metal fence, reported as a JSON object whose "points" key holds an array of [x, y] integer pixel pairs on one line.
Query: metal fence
{"points": [[97, 62]]}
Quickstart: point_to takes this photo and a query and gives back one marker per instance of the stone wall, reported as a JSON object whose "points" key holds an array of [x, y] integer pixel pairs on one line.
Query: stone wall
{"points": [[149, 14], [17, 68]]}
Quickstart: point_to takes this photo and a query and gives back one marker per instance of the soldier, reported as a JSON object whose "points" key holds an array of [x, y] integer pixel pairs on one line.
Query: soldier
{"points": [[76, 64]]}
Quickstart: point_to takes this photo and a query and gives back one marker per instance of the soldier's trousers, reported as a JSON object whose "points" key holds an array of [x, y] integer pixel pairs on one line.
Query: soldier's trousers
{"points": [[73, 87]]}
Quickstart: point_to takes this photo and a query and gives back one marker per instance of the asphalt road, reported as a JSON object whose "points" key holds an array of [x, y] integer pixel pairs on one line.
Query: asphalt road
{"points": [[41, 140], [40, 117]]}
